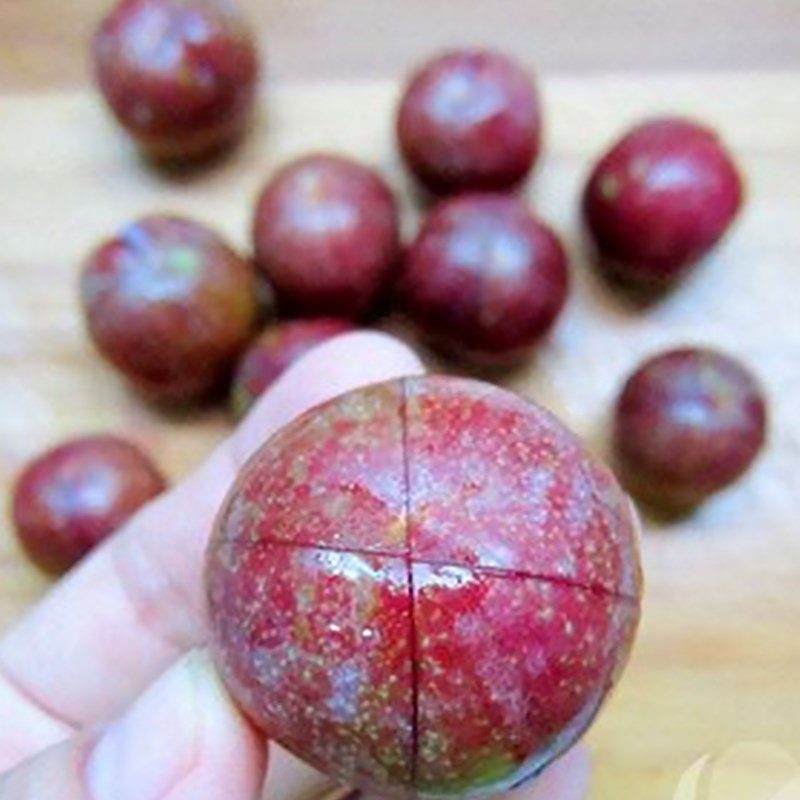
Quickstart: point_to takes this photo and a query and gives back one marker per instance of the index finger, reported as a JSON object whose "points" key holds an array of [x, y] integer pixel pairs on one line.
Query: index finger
{"points": [[137, 603]]}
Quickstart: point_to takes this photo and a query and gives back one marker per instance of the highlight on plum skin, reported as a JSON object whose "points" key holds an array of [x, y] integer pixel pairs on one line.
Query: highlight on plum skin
{"points": [[485, 280], [659, 200], [687, 423], [170, 304], [179, 75], [275, 349], [470, 120], [426, 586], [326, 235], [72, 497]]}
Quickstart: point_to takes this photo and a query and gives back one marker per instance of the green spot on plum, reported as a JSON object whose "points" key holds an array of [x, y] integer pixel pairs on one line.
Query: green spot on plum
{"points": [[487, 771], [609, 187], [184, 261], [241, 400]]}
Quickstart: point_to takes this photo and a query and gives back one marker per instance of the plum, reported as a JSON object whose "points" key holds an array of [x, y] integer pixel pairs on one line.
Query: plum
{"points": [[170, 304], [426, 586], [326, 235], [470, 120], [687, 423], [179, 75], [659, 200], [484, 279], [274, 351], [72, 497]]}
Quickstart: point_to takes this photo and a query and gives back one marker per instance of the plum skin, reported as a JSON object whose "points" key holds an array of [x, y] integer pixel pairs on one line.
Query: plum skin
{"points": [[469, 120], [326, 236], [484, 280], [274, 351], [170, 305], [73, 496], [687, 423], [179, 75], [425, 586], [659, 200]]}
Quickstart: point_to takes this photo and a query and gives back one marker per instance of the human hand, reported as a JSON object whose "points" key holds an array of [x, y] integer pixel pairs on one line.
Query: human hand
{"points": [[106, 692]]}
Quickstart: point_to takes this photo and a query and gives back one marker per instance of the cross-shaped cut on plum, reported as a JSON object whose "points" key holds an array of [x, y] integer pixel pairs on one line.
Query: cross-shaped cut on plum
{"points": [[425, 585]]}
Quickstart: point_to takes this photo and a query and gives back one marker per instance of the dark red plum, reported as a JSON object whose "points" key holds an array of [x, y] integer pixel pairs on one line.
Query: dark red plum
{"points": [[169, 304], [485, 279], [470, 120], [72, 497], [179, 75], [659, 200], [688, 423], [326, 236], [274, 351], [426, 586]]}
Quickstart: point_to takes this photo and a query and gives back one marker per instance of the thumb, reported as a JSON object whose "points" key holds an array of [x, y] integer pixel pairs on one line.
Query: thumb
{"points": [[181, 740]]}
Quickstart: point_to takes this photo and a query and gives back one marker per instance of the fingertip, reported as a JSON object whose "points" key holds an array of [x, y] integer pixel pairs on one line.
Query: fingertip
{"points": [[567, 778], [289, 778], [333, 368], [236, 744], [570, 775], [182, 737]]}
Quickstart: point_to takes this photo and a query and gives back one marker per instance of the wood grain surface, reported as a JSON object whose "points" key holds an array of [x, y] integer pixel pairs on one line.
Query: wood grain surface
{"points": [[719, 653], [42, 42]]}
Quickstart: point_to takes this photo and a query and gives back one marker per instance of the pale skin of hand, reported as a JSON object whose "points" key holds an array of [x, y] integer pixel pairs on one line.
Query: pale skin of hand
{"points": [[106, 690]]}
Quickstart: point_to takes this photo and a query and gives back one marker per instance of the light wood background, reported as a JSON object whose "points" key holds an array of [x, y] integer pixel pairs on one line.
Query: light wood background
{"points": [[718, 661], [42, 41]]}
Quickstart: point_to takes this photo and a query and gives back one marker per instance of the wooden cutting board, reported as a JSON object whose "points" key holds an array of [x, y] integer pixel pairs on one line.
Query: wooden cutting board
{"points": [[718, 658]]}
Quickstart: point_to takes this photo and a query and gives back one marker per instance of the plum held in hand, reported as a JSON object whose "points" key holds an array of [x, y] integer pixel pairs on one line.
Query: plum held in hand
{"points": [[659, 200], [426, 585], [274, 351], [470, 120], [485, 280], [326, 235], [74, 496], [688, 423], [171, 305], [179, 75]]}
